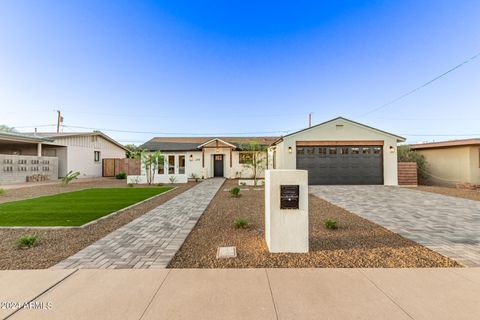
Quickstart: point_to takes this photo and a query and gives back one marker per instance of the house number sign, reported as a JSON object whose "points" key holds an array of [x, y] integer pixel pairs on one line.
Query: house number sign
{"points": [[289, 195]]}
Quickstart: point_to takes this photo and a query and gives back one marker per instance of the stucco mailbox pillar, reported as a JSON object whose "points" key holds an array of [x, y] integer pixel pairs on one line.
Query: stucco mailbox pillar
{"points": [[286, 210]]}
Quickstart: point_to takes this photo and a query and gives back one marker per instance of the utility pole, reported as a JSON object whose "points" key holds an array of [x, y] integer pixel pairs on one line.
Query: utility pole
{"points": [[59, 120], [310, 119]]}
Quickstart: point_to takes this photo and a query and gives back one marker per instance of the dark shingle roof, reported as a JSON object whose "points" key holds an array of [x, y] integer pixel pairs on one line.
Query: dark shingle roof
{"points": [[192, 143]]}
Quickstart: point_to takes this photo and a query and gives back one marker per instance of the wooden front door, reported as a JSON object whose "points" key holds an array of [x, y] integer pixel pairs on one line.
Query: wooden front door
{"points": [[218, 165]]}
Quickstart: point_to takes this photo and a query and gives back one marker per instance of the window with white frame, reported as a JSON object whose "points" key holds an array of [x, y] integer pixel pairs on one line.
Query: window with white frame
{"points": [[171, 164], [161, 166], [181, 164]]}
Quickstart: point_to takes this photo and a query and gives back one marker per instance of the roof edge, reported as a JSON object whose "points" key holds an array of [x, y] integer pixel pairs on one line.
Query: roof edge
{"points": [[399, 138]]}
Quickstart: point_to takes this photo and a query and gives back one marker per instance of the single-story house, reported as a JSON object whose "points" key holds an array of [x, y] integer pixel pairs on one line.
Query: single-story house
{"points": [[451, 162], [53, 155], [339, 151], [203, 157]]}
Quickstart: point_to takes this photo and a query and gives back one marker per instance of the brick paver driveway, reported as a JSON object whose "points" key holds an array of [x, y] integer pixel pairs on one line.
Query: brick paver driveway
{"points": [[448, 225], [151, 240]]}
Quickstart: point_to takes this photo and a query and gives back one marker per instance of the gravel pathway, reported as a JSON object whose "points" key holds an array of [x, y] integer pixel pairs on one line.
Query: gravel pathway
{"points": [[448, 225], [151, 240]]}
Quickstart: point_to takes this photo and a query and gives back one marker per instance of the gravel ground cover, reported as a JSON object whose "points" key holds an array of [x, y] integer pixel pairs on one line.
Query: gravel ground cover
{"points": [[454, 192], [56, 245], [356, 243]]}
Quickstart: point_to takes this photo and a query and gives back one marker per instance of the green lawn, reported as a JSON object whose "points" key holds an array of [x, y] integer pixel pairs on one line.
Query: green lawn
{"points": [[72, 208]]}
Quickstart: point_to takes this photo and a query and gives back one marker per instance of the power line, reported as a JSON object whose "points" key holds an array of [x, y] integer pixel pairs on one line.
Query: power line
{"points": [[440, 135], [180, 133], [183, 116], [36, 126], [420, 87]]}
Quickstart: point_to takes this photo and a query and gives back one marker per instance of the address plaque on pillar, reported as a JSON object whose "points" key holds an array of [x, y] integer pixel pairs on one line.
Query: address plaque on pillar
{"points": [[289, 196]]}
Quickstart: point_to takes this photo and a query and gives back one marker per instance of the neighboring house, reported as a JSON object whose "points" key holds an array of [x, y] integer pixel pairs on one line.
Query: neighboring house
{"points": [[339, 151], [204, 157], [452, 162], [55, 154]]}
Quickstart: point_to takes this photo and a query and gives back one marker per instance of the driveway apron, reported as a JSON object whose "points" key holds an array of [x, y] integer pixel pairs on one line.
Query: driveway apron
{"points": [[151, 240], [448, 225]]}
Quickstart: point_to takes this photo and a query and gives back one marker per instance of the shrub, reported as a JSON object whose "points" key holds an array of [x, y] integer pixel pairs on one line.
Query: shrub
{"points": [[131, 185], [159, 184], [27, 240], [121, 175], [195, 177], [172, 179], [2, 191], [240, 223], [235, 192], [330, 224], [70, 177]]}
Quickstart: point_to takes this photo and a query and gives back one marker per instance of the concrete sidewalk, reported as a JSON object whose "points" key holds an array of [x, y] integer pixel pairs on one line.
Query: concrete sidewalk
{"points": [[243, 294]]}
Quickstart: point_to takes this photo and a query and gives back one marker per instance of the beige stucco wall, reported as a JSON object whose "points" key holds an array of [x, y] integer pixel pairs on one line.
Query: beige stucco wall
{"points": [[348, 132], [448, 166]]}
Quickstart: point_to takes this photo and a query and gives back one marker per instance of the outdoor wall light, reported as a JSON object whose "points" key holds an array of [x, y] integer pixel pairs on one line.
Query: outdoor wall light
{"points": [[290, 150], [392, 149], [191, 157]]}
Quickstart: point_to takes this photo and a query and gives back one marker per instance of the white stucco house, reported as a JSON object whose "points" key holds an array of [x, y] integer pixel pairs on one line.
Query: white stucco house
{"points": [[338, 151], [202, 157], [53, 155]]}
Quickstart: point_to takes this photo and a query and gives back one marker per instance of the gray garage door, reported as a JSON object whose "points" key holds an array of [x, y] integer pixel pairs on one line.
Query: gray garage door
{"points": [[342, 164]]}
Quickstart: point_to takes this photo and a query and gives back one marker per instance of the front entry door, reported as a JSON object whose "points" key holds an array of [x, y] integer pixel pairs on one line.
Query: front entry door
{"points": [[218, 165]]}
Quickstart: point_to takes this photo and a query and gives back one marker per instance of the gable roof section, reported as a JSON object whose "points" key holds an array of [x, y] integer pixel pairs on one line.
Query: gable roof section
{"points": [[218, 141], [446, 144], [399, 138], [192, 143], [54, 136]]}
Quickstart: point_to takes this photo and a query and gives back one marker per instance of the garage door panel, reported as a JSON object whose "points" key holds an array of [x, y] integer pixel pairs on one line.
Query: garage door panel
{"points": [[342, 164]]}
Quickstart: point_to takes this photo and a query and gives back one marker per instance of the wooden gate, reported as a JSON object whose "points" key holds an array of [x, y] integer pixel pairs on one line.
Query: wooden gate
{"points": [[111, 167], [108, 167]]}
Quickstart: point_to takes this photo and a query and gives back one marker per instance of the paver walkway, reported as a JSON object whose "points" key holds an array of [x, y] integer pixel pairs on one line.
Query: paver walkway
{"points": [[334, 294], [151, 240], [448, 225]]}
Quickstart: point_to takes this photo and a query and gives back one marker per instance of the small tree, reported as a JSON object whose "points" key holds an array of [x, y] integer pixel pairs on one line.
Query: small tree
{"points": [[150, 162], [133, 152], [257, 161], [406, 154]]}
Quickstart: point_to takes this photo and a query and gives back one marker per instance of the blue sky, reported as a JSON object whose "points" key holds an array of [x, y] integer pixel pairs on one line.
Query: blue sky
{"points": [[239, 67]]}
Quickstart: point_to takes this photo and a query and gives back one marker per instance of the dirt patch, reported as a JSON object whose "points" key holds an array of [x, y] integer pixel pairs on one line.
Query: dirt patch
{"points": [[454, 192], [56, 245], [357, 243]]}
